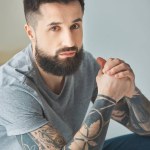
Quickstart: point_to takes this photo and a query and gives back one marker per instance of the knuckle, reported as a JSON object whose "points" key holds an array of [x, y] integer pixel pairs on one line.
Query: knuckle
{"points": [[123, 65], [110, 59], [126, 66], [113, 70], [118, 60]]}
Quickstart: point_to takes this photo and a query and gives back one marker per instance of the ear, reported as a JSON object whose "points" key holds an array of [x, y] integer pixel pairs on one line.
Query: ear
{"points": [[30, 32]]}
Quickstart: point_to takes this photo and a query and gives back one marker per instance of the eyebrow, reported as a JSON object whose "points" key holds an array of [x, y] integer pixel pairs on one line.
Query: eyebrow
{"points": [[77, 20], [57, 23]]}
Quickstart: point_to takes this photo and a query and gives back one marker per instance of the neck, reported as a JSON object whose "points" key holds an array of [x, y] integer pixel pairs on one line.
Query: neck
{"points": [[54, 83]]}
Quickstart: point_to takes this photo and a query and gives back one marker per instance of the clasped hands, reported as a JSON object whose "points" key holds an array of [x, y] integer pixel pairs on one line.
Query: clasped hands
{"points": [[115, 79]]}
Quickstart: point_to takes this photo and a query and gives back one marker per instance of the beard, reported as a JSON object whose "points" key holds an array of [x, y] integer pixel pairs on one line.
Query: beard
{"points": [[56, 66]]}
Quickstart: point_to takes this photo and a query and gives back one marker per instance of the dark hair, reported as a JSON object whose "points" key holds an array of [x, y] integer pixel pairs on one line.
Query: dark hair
{"points": [[32, 6]]}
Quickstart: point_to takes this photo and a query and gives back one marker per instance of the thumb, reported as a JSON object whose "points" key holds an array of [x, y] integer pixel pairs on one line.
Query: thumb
{"points": [[101, 61]]}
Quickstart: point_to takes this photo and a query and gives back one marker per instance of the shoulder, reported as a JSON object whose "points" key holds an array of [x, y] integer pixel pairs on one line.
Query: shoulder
{"points": [[18, 95], [16, 69]]}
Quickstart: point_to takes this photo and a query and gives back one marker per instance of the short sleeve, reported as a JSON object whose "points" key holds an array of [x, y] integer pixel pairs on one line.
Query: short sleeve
{"points": [[20, 112]]}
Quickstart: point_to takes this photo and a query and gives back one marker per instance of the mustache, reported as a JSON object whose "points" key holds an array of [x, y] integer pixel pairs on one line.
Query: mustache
{"points": [[73, 48]]}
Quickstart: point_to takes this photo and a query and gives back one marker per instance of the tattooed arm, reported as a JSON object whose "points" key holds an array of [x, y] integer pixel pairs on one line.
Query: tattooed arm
{"points": [[91, 135], [134, 113], [44, 138]]}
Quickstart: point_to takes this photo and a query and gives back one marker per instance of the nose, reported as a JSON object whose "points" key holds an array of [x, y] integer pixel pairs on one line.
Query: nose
{"points": [[68, 40]]}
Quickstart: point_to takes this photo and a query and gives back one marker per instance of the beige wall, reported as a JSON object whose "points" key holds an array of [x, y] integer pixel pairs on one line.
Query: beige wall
{"points": [[12, 34]]}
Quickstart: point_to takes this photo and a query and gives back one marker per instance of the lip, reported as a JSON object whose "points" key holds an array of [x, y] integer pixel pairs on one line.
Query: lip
{"points": [[67, 54]]}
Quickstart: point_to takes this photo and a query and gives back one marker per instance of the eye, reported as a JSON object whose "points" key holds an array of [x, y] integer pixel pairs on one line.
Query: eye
{"points": [[55, 28], [75, 26]]}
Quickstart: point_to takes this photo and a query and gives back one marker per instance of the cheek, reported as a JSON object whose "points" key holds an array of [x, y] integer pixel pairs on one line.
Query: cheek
{"points": [[48, 43], [79, 38]]}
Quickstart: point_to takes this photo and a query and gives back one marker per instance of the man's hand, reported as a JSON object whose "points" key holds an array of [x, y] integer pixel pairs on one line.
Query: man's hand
{"points": [[117, 69], [111, 86]]}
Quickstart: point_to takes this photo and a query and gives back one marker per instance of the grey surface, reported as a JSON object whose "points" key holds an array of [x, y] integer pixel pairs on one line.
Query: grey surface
{"points": [[112, 28]]}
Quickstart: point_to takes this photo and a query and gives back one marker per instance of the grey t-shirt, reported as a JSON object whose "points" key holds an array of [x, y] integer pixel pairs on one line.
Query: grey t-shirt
{"points": [[26, 103]]}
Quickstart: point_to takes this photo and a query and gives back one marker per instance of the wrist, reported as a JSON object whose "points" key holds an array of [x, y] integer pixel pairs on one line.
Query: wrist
{"points": [[101, 96]]}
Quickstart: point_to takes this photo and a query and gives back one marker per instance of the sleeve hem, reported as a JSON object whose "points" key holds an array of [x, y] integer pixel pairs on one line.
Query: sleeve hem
{"points": [[11, 131]]}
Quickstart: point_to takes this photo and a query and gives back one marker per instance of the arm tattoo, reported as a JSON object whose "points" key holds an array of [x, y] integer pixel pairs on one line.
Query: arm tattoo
{"points": [[27, 142], [90, 136], [134, 113], [121, 112], [49, 137], [44, 138]]}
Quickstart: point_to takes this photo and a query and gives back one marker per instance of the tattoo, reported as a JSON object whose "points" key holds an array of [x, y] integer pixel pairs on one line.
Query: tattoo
{"points": [[92, 133], [121, 112], [49, 137], [27, 142], [44, 138], [134, 113], [90, 136]]}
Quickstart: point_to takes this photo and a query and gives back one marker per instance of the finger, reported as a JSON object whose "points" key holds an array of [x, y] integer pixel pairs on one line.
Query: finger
{"points": [[101, 61], [119, 68], [100, 73], [111, 63], [124, 74]]}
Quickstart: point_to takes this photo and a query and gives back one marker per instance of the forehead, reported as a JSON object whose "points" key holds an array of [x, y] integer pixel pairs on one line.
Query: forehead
{"points": [[61, 12]]}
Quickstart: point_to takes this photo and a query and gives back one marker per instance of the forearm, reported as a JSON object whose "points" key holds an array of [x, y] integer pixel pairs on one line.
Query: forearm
{"points": [[139, 109], [91, 135], [134, 113], [120, 112], [93, 131]]}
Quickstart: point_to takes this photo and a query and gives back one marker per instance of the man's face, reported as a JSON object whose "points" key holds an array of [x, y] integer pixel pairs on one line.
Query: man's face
{"points": [[58, 38]]}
